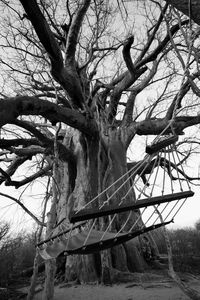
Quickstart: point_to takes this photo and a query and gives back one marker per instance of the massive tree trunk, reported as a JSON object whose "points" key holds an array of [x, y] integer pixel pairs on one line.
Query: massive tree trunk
{"points": [[96, 165]]}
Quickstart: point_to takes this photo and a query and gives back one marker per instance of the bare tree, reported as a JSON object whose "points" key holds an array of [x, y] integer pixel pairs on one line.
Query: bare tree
{"points": [[4, 230], [197, 225], [78, 82]]}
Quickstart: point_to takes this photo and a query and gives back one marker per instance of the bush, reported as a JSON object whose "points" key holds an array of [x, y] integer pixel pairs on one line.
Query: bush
{"points": [[185, 248], [16, 254]]}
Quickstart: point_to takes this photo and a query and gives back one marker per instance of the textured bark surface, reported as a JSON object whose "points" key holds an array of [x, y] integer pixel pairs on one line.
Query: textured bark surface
{"points": [[31, 291], [50, 269], [97, 165]]}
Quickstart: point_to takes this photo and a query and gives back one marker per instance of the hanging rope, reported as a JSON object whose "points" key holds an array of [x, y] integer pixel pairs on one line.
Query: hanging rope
{"points": [[91, 240]]}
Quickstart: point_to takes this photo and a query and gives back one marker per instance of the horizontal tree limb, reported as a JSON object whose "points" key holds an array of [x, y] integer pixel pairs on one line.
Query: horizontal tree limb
{"points": [[157, 126], [16, 163], [31, 178], [11, 108], [64, 153], [5, 143]]}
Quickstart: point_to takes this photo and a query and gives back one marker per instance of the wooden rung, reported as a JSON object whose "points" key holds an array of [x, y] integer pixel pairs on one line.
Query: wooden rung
{"points": [[114, 241], [53, 237], [162, 144], [87, 214]]}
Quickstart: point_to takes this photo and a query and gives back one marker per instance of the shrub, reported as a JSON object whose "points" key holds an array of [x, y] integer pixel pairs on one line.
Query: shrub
{"points": [[185, 248], [16, 254]]}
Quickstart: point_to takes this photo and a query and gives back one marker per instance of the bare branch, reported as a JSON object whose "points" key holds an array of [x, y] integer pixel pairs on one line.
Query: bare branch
{"points": [[156, 126], [127, 118], [67, 77], [126, 82], [11, 108], [43, 31], [17, 184], [154, 54], [24, 208], [127, 55], [177, 99], [180, 95], [73, 33], [6, 144], [29, 151], [31, 127], [183, 6], [152, 36], [64, 153], [16, 163], [167, 165]]}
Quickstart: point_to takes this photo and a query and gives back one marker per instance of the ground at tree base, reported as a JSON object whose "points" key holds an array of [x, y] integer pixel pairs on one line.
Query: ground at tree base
{"points": [[157, 288], [164, 291]]}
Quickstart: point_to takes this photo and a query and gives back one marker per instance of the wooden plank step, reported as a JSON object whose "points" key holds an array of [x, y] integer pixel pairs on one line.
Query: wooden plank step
{"points": [[162, 144], [53, 237], [111, 242], [87, 214]]}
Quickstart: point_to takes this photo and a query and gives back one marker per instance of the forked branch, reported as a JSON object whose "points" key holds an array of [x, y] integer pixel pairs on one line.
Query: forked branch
{"points": [[24, 208], [11, 108]]}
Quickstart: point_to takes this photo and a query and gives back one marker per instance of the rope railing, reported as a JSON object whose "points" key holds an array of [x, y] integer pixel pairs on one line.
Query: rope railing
{"points": [[91, 240]]}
